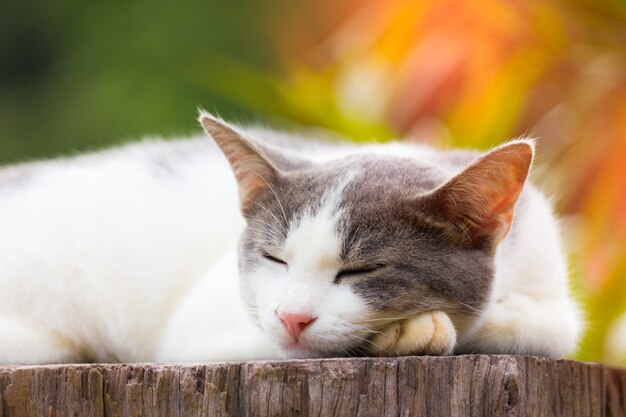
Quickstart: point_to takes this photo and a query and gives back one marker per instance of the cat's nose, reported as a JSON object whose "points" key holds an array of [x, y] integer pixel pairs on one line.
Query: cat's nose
{"points": [[296, 323]]}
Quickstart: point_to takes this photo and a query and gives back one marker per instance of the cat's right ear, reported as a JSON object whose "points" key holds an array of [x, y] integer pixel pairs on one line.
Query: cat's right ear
{"points": [[256, 167], [480, 200]]}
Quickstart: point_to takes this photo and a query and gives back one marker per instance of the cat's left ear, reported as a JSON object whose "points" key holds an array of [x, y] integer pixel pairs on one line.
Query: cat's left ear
{"points": [[256, 166], [480, 200]]}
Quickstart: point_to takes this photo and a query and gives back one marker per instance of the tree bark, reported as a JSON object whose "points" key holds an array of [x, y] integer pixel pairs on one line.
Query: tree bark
{"points": [[472, 385]]}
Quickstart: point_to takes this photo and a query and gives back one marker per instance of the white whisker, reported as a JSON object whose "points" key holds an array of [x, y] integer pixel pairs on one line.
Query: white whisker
{"points": [[386, 319], [271, 214], [275, 195], [370, 342], [471, 307]]}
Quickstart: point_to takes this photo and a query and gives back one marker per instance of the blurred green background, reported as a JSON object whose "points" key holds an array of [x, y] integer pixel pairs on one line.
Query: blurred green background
{"points": [[79, 75]]}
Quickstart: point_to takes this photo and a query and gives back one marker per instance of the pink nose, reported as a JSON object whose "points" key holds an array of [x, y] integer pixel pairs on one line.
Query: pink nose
{"points": [[296, 323]]}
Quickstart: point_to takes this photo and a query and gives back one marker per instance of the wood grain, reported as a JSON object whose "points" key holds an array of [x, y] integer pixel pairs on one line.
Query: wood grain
{"points": [[472, 385]]}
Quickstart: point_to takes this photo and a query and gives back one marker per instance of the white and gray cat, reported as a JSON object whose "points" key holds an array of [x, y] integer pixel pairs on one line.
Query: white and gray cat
{"points": [[155, 252]]}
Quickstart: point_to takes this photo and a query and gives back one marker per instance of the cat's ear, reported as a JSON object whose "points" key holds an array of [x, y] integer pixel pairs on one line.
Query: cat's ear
{"points": [[480, 200], [256, 166]]}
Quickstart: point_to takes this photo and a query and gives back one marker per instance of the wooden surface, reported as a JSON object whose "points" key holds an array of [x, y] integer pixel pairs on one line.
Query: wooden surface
{"points": [[474, 385]]}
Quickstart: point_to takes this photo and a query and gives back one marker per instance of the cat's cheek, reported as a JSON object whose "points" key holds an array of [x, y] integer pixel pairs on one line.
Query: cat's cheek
{"points": [[338, 327], [261, 291], [269, 286], [344, 306]]}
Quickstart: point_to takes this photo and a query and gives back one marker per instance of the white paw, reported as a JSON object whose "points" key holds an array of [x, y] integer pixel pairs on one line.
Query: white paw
{"points": [[429, 333]]}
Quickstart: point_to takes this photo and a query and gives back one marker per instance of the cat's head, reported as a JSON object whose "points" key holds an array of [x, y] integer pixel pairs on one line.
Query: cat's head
{"points": [[334, 251]]}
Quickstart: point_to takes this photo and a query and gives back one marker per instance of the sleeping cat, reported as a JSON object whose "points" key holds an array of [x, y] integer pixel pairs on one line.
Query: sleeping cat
{"points": [[155, 251]]}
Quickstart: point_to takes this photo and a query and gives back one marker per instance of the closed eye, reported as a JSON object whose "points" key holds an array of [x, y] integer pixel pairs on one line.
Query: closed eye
{"points": [[273, 259], [348, 273]]}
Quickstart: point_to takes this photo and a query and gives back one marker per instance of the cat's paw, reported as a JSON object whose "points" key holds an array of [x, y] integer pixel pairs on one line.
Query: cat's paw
{"points": [[430, 333]]}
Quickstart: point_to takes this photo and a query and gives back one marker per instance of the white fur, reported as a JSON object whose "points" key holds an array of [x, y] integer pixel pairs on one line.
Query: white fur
{"points": [[531, 301], [113, 257]]}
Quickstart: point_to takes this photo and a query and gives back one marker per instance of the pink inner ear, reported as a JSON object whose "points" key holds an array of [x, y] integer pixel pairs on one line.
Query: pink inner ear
{"points": [[253, 174], [249, 188], [496, 217], [502, 211]]}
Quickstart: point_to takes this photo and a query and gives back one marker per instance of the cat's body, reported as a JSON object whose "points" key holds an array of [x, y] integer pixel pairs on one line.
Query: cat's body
{"points": [[131, 254]]}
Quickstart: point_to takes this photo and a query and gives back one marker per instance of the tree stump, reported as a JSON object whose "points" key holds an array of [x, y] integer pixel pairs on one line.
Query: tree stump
{"points": [[472, 385]]}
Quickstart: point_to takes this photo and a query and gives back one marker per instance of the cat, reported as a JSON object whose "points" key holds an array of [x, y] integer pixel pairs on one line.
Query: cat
{"points": [[165, 251]]}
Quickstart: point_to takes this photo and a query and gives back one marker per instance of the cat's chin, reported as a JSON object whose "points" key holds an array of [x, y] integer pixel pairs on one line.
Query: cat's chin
{"points": [[301, 351]]}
